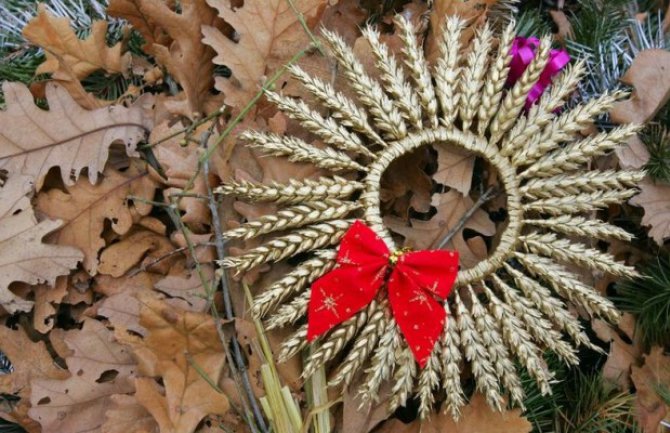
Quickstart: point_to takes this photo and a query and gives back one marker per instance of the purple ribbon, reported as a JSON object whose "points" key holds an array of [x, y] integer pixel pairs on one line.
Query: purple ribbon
{"points": [[523, 52]]}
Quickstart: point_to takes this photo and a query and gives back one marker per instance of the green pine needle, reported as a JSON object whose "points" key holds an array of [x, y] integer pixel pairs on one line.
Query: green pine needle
{"points": [[657, 139], [648, 299]]}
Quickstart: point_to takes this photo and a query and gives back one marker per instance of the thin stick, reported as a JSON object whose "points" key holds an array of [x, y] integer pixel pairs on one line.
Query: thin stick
{"points": [[488, 195], [303, 23]]}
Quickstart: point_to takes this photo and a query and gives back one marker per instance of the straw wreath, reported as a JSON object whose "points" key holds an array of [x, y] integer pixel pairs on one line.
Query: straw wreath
{"points": [[506, 311]]}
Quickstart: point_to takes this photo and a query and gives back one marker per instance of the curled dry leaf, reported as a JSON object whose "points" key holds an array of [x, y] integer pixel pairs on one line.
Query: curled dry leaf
{"points": [[84, 208], [476, 417], [454, 168], [634, 155], [622, 355], [176, 343], [120, 257], [187, 292], [651, 379], [67, 136], [70, 59], [655, 199], [650, 76], [23, 255], [269, 34], [173, 38], [99, 367]]}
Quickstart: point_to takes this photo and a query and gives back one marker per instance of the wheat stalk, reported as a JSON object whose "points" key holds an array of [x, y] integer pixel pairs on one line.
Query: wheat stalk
{"points": [[498, 353], [521, 309], [383, 361], [447, 71], [385, 114], [292, 217], [566, 285], [578, 203], [418, 68], [575, 155], [515, 100], [393, 79], [299, 241], [299, 151], [293, 282], [571, 184], [542, 113], [293, 192], [324, 127], [451, 370], [581, 226], [520, 342], [342, 108], [563, 128], [564, 250], [473, 76], [403, 378], [476, 353], [495, 80], [363, 345], [553, 308]]}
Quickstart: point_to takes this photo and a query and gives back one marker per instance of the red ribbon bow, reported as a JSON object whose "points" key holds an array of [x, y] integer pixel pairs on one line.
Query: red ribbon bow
{"points": [[418, 282]]}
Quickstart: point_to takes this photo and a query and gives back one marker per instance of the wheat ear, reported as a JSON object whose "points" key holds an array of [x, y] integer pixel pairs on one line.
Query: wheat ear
{"points": [[299, 241], [451, 370], [429, 381], [418, 68], [342, 108], [580, 226], [473, 77], [578, 203], [403, 378], [289, 313], [293, 344], [495, 80], [447, 70], [293, 192], [570, 184], [383, 361], [393, 79], [293, 282], [386, 116], [323, 127]]}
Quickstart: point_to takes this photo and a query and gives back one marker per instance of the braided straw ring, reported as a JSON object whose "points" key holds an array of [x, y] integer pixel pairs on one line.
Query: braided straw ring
{"points": [[469, 142], [511, 308]]}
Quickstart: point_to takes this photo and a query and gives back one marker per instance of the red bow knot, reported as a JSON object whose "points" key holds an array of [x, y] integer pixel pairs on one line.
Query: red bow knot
{"points": [[417, 283]]}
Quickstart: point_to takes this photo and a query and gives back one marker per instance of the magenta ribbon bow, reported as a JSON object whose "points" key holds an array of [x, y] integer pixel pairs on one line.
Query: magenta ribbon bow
{"points": [[523, 52]]}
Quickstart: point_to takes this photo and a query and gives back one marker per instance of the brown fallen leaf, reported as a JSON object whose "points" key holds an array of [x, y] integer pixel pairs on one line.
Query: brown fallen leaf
{"points": [[655, 199], [23, 255], [650, 76], [634, 155], [99, 366], [405, 184], [126, 415], [269, 34], [85, 208], [46, 297], [174, 39], [175, 343], [563, 23], [70, 59], [120, 257], [450, 209], [454, 168], [622, 355], [188, 291], [476, 417], [67, 136], [649, 379]]}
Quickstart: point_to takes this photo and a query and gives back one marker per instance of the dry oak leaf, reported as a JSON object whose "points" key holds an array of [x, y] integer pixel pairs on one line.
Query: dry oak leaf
{"points": [[120, 257], [652, 377], [188, 292], [650, 76], [622, 356], [655, 199], [633, 155], [23, 255], [126, 415], [454, 168], [99, 366], [46, 297], [186, 58], [176, 341], [476, 417], [67, 136], [451, 207], [269, 33], [30, 360], [70, 59], [85, 208]]}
